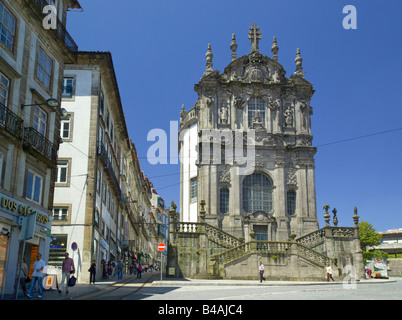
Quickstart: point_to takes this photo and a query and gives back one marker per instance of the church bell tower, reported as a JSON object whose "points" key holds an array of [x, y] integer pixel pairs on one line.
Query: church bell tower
{"points": [[251, 110]]}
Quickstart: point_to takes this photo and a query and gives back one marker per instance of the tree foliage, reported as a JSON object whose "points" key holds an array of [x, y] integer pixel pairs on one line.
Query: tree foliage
{"points": [[368, 236]]}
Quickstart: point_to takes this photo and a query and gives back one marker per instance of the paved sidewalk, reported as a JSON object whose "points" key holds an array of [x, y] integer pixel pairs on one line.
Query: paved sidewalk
{"points": [[83, 288], [198, 282]]}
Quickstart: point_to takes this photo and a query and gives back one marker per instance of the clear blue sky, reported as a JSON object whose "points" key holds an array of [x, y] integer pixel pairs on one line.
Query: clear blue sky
{"points": [[159, 46]]}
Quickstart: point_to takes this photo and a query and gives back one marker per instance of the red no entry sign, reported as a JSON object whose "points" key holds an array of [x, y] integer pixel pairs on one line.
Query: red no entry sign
{"points": [[161, 247]]}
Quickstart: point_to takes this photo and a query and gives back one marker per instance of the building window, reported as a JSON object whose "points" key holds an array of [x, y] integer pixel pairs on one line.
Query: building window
{"points": [[291, 202], [101, 102], [65, 126], [7, 27], [60, 214], [98, 181], [1, 168], [44, 68], [68, 88], [34, 187], [224, 200], [39, 120], [96, 218], [104, 192], [107, 119], [257, 193], [255, 104], [62, 171], [4, 89], [193, 189]]}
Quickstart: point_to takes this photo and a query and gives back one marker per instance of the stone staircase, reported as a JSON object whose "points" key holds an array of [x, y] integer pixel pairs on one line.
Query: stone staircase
{"points": [[201, 250], [231, 249]]}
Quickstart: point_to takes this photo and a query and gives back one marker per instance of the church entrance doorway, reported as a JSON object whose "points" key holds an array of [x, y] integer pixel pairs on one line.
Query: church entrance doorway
{"points": [[261, 232]]}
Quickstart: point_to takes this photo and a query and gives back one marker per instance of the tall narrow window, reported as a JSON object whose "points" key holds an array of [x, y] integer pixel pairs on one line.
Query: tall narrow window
{"points": [[193, 189], [257, 193], [39, 120], [4, 89], [44, 68], [7, 27], [101, 102], [62, 171], [224, 200], [291, 202], [34, 187], [1, 168], [68, 88], [65, 126], [255, 104]]}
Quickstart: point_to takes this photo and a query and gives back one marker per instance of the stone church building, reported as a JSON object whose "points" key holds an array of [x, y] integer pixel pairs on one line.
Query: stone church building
{"points": [[252, 101]]}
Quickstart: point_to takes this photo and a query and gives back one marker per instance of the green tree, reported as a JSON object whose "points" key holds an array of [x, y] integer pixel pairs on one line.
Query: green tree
{"points": [[368, 236]]}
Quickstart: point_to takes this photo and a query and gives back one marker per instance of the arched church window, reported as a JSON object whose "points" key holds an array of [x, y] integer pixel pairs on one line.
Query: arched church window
{"points": [[224, 200], [255, 104], [257, 193], [291, 202]]}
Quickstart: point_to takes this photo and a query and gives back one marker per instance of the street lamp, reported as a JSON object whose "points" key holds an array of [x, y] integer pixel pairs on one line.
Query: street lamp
{"points": [[52, 102]]}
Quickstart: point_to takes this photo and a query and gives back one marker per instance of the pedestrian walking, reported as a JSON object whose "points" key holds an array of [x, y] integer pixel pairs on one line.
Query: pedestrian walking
{"points": [[67, 269], [92, 272], [37, 276], [136, 269], [20, 280], [261, 270], [139, 274], [329, 273], [120, 266], [109, 270], [113, 268]]}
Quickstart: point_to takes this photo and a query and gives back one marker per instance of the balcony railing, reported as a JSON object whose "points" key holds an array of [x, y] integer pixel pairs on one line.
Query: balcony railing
{"points": [[35, 140], [61, 30], [109, 166], [10, 121]]}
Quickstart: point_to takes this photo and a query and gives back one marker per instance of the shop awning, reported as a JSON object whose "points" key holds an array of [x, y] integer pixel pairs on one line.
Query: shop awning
{"points": [[381, 266]]}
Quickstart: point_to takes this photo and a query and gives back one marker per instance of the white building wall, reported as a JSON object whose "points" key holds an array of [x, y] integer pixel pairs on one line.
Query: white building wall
{"points": [[188, 157], [76, 151]]}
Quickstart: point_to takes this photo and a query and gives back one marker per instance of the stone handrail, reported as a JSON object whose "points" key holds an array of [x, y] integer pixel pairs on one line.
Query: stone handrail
{"points": [[313, 238], [188, 227], [318, 236], [214, 234], [313, 255], [342, 232], [271, 247], [233, 254], [221, 237]]}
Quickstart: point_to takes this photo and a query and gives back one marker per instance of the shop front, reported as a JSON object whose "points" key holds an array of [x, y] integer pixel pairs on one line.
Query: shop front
{"points": [[12, 249]]}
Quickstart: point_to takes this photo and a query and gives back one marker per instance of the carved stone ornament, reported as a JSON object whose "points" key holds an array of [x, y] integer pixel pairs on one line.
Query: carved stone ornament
{"points": [[223, 115], [239, 103], [225, 175], [291, 179]]}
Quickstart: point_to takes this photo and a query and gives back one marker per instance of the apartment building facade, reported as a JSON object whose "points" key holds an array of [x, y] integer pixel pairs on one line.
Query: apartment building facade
{"points": [[32, 60], [90, 201]]}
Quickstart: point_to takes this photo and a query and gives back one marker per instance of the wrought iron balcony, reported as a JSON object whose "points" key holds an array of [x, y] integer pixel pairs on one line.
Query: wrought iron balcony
{"points": [[109, 166], [10, 121], [33, 139], [61, 30]]}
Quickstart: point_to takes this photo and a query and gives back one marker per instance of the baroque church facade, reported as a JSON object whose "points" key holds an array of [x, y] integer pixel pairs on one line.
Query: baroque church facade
{"points": [[275, 197]]}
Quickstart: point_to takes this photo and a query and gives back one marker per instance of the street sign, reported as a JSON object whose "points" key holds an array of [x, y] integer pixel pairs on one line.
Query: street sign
{"points": [[161, 247], [74, 246], [28, 227]]}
